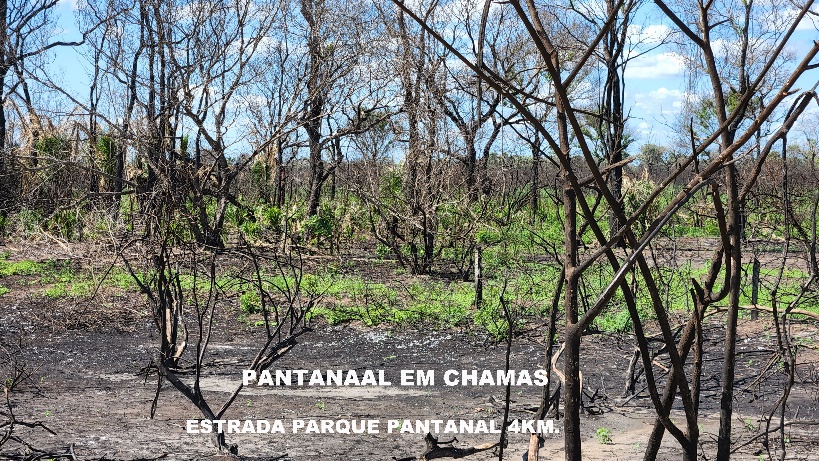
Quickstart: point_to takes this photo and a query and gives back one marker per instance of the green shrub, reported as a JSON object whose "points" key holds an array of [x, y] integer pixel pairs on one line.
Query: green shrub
{"points": [[25, 267], [250, 302], [65, 222], [323, 224]]}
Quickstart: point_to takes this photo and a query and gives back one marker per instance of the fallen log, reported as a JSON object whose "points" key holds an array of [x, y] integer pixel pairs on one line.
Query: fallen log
{"points": [[436, 451]]}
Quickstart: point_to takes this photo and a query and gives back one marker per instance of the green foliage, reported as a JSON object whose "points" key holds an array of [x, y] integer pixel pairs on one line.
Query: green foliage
{"points": [[55, 146], [183, 145], [636, 192], [107, 149], [57, 291], [749, 425], [392, 187], [189, 281], [29, 221], [25, 267], [65, 223], [272, 218], [4, 290], [250, 302], [243, 219], [603, 435], [490, 317], [614, 320], [323, 224], [260, 181], [427, 303], [121, 278], [438, 304]]}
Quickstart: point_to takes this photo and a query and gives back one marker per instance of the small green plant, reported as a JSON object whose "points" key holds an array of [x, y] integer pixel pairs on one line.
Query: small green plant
{"points": [[4, 290], [749, 424], [603, 435], [57, 291], [25, 267], [249, 302], [65, 222], [321, 225], [121, 278], [321, 405]]}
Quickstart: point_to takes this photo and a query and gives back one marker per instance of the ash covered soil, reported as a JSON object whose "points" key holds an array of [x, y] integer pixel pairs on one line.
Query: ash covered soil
{"points": [[89, 387], [90, 392]]}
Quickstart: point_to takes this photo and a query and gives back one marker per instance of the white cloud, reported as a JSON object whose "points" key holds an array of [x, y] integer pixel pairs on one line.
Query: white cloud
{"points": [[72, 3], [644, 128], [808, 22], [660, 100], [652, 34], [660, 65]]}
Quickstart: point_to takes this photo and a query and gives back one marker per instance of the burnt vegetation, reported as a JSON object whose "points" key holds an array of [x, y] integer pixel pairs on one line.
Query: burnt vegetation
{"points": [[457, 165]]}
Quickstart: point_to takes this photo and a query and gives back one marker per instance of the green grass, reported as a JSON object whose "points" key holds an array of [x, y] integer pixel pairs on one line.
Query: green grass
{"points": [[430, 303], [427, 302], [57, 291], [75, 289], [25, 267], [59, 278], [120, 278], [249, 302]]}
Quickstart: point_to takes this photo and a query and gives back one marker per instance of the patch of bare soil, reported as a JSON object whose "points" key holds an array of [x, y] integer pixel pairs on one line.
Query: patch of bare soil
{"points": [[89, 390], [90, 393]]}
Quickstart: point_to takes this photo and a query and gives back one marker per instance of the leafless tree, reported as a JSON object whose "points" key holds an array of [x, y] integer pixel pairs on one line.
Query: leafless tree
{"points": [[576, 206], [25, 35]]}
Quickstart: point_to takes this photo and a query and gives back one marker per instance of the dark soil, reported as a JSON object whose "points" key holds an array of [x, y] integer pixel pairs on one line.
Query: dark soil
{"points": [[88, 386]]}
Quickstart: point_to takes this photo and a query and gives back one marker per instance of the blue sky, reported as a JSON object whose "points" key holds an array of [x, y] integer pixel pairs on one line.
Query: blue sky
{"points": [[655, 84]]}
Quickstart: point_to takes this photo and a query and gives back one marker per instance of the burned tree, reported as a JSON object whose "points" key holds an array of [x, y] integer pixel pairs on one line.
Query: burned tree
{"points": [[731, 135]]}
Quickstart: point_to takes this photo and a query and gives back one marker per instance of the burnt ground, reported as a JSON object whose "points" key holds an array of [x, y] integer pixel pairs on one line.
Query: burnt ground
{"points": [[88, 388]]}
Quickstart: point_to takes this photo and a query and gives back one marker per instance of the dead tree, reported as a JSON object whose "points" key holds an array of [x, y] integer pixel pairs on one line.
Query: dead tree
{"points": [[21, 40], [576, 207], [436, 451]]}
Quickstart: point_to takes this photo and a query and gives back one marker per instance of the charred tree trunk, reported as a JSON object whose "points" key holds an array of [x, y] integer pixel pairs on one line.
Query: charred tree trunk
{"points": [[471, 169], [571, 397], [612, 110], [314, 107], [3, 192], [280, 176], [5, 65], [534, 198], [316, 170], [729, 364]]}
